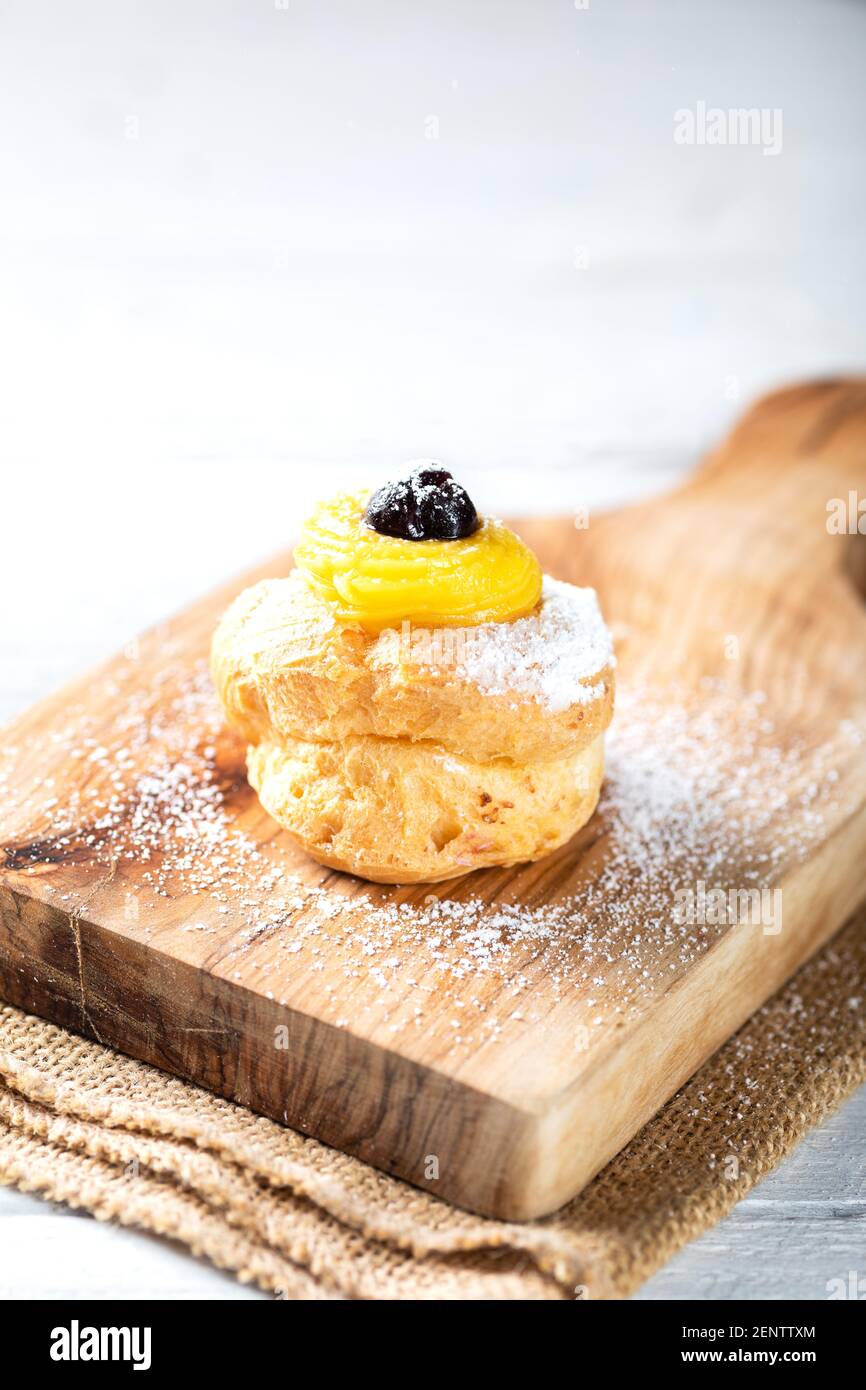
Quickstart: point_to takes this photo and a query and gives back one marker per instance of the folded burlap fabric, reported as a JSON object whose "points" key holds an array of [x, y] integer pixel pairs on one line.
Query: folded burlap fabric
{"points": [[84, 1125]]}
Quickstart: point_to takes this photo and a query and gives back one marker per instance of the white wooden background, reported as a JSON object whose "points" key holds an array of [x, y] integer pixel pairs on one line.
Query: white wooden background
{"points": [[252, 252]]}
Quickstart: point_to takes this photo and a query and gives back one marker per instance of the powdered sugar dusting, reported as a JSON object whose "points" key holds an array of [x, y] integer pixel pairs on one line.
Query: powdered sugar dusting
{"points": [[548, 656]]}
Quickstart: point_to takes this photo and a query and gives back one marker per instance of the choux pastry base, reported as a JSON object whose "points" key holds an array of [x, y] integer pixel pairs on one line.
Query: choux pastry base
{"points": [[400, 812]]}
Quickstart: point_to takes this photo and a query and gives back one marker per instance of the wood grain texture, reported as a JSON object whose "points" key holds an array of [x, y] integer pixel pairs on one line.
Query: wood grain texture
{"points": [[108, 929]]}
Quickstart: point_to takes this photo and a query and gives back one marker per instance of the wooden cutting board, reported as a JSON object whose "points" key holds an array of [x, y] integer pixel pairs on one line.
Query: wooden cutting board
{"points": [[497, 1039]]}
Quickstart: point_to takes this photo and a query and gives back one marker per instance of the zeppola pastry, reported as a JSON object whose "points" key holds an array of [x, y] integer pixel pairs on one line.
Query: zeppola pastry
{"points": [[417, 699]]}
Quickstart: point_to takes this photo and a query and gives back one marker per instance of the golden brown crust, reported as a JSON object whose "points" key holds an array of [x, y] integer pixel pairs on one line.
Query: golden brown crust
{"points": [[285, 669], [398, 812]]}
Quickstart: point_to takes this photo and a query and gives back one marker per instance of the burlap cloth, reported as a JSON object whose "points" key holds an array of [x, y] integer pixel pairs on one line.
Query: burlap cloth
{"points": [[82, 1125]]}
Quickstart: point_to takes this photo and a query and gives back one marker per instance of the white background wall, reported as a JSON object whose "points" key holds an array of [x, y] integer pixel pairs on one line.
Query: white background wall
{"points": [[235, 272]]}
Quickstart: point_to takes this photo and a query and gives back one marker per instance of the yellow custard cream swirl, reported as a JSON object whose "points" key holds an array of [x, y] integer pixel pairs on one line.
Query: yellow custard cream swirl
{"points": [[379, 581]]}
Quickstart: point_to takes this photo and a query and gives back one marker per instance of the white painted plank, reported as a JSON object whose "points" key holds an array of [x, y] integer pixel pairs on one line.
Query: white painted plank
{"points": [[47, 1254], [801, 1228]]}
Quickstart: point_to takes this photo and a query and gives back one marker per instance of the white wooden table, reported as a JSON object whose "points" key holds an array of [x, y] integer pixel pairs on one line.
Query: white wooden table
{"points": [[253, 253]]}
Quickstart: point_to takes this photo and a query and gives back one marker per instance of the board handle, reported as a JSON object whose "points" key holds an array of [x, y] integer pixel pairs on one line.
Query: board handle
{"points": [[780, 498], [764, 541], [795, 468]]}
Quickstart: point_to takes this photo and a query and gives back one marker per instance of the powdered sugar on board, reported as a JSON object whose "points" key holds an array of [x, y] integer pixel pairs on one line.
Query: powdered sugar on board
{"points": [[705, 791]]}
